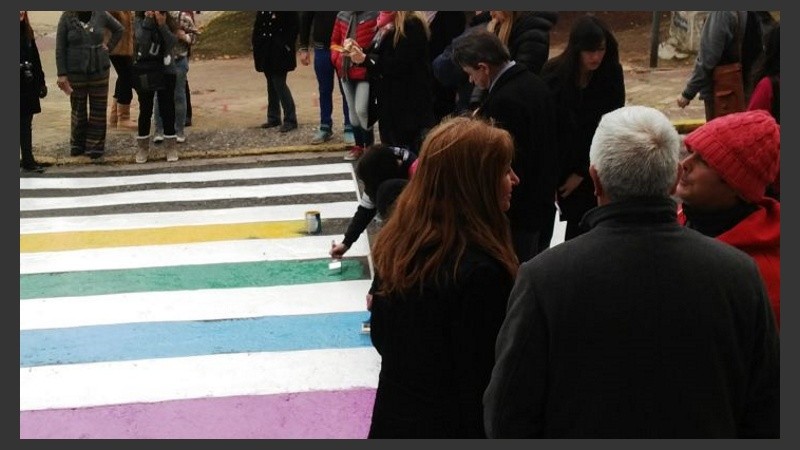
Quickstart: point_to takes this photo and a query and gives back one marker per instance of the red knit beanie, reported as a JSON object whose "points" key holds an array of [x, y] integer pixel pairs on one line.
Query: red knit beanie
{"points": [[743, 148]]}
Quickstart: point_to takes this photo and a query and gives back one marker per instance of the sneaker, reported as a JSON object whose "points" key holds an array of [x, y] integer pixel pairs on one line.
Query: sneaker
{"points": [[180, 139], [349, 139], [322, 135], [354, 153], [158, 138]]}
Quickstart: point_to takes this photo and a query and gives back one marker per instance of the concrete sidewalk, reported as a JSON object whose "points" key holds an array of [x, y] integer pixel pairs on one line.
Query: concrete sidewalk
{"points": [[228, 97]]}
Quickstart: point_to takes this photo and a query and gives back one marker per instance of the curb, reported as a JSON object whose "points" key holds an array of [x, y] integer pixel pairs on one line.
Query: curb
{"points": [[682, 126], [157, 154], [686, 126]]}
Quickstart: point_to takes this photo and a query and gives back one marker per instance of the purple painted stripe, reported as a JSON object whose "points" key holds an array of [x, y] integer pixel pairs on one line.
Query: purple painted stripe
{"points": [[305, 415]]}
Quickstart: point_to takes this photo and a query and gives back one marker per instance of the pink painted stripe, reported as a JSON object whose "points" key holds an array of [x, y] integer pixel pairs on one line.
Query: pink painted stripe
{"points": [[306, 415]]}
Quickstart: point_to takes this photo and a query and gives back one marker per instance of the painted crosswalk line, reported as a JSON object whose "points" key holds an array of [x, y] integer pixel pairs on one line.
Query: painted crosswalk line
{"points": [[196, 304], [130, 314], [221, 375]]}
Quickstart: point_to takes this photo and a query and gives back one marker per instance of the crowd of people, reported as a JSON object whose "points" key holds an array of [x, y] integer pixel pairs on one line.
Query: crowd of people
{"points": [[659, 315]]}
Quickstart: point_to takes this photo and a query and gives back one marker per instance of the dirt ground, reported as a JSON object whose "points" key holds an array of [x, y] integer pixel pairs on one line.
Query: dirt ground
{"points": [[229, 98]]}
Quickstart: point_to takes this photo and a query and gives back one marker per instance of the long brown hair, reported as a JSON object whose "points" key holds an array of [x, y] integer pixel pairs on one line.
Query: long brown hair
{"points": [[452, 201]]}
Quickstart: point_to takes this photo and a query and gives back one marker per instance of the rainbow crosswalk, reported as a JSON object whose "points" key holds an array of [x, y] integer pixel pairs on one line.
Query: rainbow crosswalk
{"points": [[192, 305]]}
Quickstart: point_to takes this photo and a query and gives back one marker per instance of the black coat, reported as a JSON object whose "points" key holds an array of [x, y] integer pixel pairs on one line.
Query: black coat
{"points": [[521, 103], [529, 41], [30, 89], [437, 351], [638, 328], [401, 79], [579, 112], [274, 41]]}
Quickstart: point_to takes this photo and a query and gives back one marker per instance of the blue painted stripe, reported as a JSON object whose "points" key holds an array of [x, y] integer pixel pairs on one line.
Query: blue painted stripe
{"points": [[127, 342]]}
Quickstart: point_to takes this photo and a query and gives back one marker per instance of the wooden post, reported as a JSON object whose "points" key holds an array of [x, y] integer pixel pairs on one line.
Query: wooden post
{"points": [[654, 37]]}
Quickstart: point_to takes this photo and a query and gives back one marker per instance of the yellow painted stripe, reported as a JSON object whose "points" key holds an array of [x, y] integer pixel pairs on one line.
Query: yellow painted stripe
{"points": [[76, 240], [686, 126]]}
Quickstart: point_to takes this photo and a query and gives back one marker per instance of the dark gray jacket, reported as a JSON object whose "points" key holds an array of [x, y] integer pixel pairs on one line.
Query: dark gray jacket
{"points": [[80, 50], [639, 328]]}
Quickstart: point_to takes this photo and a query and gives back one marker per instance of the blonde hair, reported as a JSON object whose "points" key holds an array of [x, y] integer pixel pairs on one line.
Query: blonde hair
{"points": [[503, 29], [400, 18]]}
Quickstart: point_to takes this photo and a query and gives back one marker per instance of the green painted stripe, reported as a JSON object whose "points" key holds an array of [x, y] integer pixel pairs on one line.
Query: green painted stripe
{"points": [[175, 278]]}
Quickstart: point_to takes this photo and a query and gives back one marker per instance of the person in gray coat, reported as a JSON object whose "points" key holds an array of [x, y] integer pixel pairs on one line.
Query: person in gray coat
{"points": [[638, 328], [82, 62]]}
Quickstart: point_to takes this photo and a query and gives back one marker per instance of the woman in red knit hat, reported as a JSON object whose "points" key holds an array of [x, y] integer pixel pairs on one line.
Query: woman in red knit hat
{"points": [[732, 159]]}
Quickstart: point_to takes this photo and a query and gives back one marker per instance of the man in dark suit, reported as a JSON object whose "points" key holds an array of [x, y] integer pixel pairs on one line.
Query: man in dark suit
{"points": [[519, 102]]}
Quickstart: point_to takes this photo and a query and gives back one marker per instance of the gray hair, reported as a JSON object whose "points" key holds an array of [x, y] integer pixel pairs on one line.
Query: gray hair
{"points": [[479, 45], [635, 152]]}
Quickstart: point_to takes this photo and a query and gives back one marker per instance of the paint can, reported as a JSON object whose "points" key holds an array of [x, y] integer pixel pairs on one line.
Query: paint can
{"points": [[313, 222]]}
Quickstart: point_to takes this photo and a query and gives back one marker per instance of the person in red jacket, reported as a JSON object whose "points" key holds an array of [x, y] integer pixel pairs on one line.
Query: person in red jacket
{"points": [[355, 30], [732, 159]]}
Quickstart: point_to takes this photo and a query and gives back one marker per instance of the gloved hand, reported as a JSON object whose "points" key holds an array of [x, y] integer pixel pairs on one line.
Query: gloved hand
{"points": [[43, 91]]}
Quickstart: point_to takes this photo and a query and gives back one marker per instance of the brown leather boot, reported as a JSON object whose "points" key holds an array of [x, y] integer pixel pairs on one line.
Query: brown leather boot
{"points": [[124, 117], [113, 114]]}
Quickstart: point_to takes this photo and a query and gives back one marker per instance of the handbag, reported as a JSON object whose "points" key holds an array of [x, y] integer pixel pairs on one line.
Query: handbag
{"points": [[148, 77], [728, 82], [728, 89]]}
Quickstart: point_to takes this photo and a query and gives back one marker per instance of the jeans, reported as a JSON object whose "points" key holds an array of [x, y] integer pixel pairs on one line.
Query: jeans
{"points": [[324, 70], [182, 66], [357, 95]]}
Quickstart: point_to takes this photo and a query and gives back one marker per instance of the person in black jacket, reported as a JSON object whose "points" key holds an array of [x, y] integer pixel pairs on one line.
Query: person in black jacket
{"points": [[520, 102], [526, 34], [640, 327], [587, 81], [445, 26], [32, 87], [274, 40], [444, 265], [398, 65], [379, 164]]}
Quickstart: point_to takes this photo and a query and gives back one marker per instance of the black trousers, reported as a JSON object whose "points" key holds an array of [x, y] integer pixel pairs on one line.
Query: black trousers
{"points": [[26, 139]]}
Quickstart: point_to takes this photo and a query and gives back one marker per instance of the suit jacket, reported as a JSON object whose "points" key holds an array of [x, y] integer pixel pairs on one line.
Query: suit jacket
{"points": [[521, 103]]}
